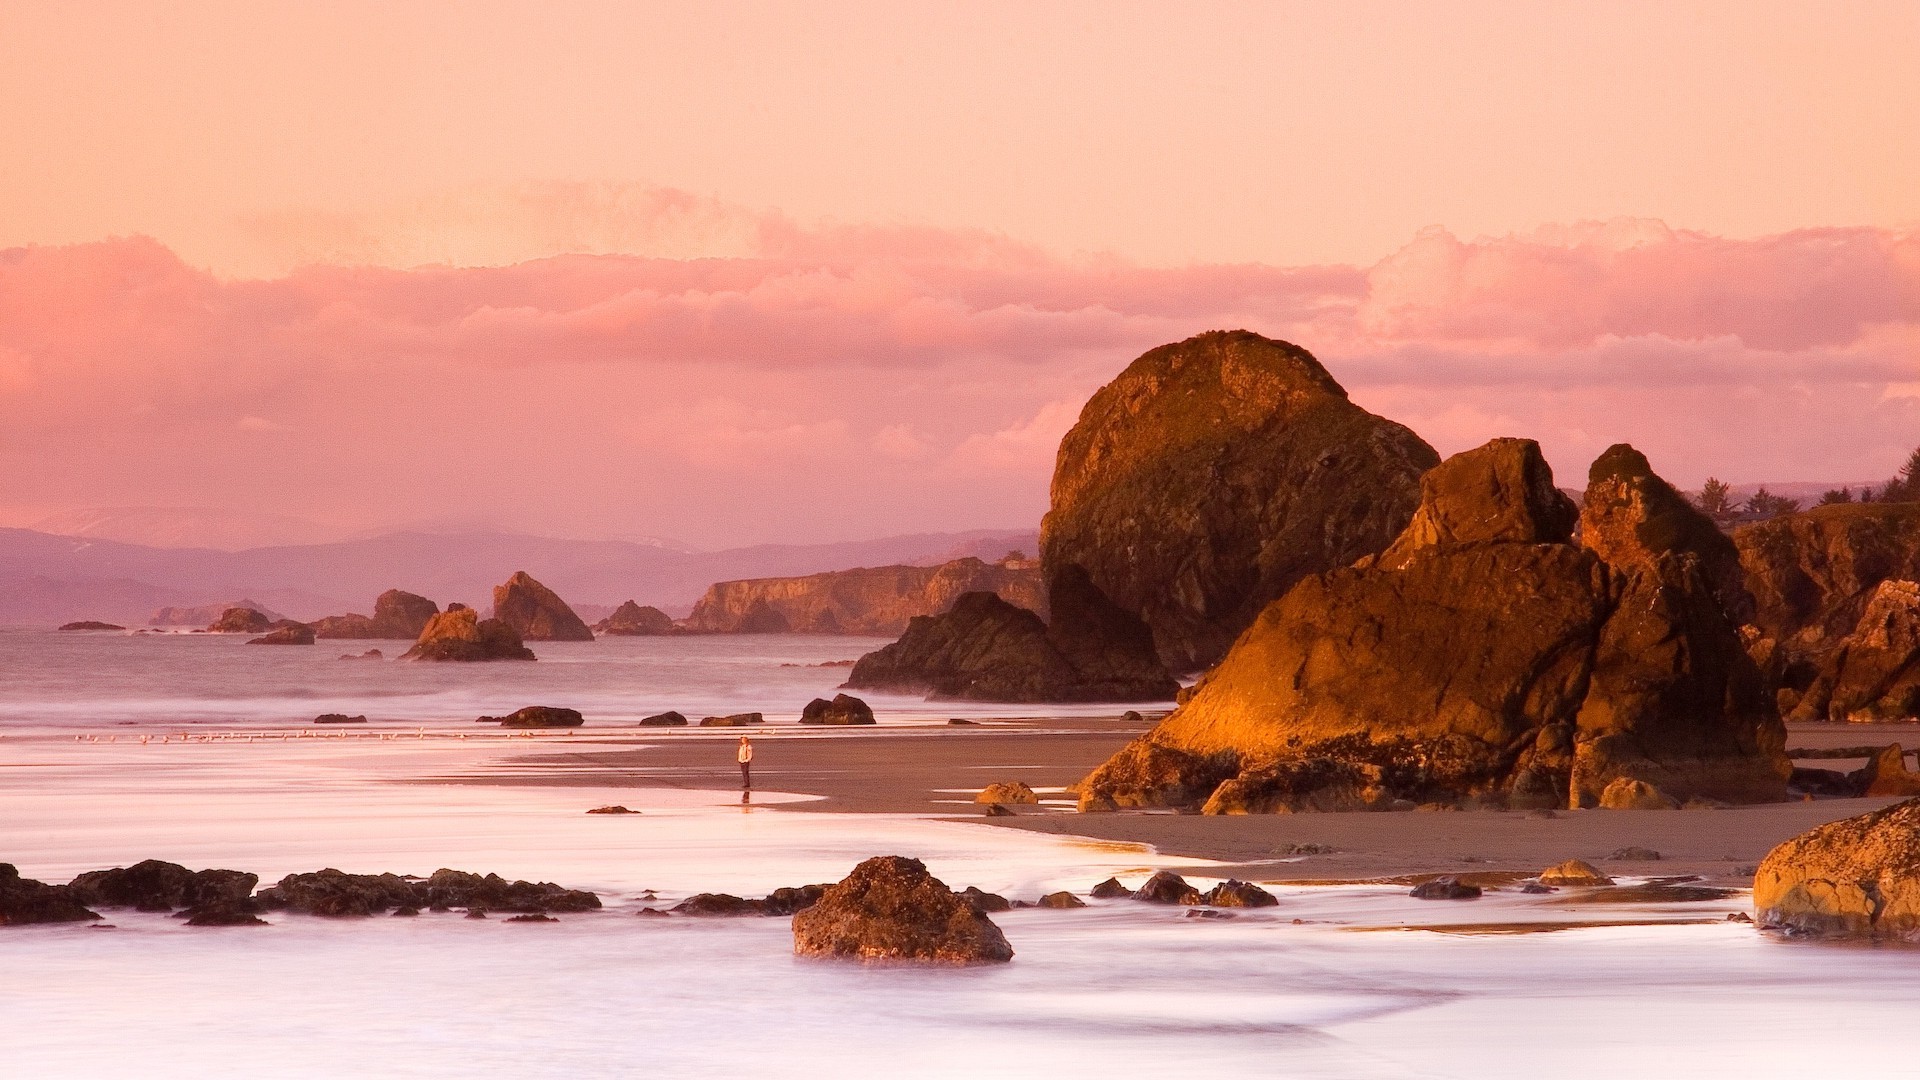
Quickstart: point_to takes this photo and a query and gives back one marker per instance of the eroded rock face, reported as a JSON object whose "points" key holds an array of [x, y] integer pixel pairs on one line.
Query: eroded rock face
{"points": [[1873, 673], [1213, 474], [891, 908], [633, 620], [153, 885], [1483, 656], [458, 633], [240, 620], [877, 600], [844, 710], [985, 649], [1859, 877], [535, 612]]}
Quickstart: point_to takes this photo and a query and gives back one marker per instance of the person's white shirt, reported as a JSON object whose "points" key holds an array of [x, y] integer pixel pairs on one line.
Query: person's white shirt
{"points": [[746, 751]]}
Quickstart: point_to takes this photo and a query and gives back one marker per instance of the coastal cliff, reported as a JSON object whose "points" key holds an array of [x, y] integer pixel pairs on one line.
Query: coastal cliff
{"points": [[877, 601]]}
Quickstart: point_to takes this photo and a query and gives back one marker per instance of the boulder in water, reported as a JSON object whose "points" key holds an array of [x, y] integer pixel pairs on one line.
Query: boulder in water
{"points": [[459, 634], [536, 612], [665, 719], [241, 620], [1008, 791], [541, 716], [843, 710], [633, 620], [286, 635], [891, 908]]}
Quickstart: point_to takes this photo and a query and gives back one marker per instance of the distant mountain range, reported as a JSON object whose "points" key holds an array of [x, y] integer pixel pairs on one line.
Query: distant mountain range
{"points": [[47, 579]]}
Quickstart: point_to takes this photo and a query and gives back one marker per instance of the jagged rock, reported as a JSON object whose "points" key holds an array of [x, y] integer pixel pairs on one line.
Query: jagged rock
{"points": [[792, 900], [1873, 673], [153, 885], [733, 720], [1625, 794], [1859, 876], [1446, 887], [535, 612], [1167, 887], [1234, 893], [89, 624], [665, 719], [632, 620], [718, 904], [541, 716], [286, 635], [224, 913], [458, 633], [890, 908], [1211, 475], [397, 615], [1574, 872], [24, 901], [1110, 889], [985, 649], [1062, 899], [333, 893], [240, 620], [877, 601], [536, 917], [1886, 774], [843, 710], [1542, 673], [1008, 791], [338, 718]]}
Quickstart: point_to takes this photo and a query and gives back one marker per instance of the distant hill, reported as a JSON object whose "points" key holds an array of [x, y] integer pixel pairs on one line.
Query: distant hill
{"points": [[176, 527], [48, 579]]}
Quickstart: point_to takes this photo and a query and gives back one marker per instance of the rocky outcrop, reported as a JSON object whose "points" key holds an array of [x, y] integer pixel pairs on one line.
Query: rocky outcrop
{"points": [[745, 719], [538, 716], [1574, 872], [1213, 474], [24, 901], [1235, 893], [1008, 791], [240, 620], [1484, 656], [891, 908], [153, 885], [1872, 673], [1167, 887], [985, 649], [203, 614], [397, 616], [670, 718], [843, 710], [339, 718], [89, 624], [1857, 877], [877, 601], [297, 634], [333, 893], [535, 612], [632, 620], [458, 633]]}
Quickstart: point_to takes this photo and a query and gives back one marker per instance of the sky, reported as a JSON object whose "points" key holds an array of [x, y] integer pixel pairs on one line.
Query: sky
{"points": [[811, 272]]}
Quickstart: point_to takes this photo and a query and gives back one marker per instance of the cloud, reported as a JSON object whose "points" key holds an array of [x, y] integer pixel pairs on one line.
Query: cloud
{"points": [[718, 397]]}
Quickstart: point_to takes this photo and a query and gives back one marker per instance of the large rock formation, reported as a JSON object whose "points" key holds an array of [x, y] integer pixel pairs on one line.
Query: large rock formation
{"points": [[535, 612], [1860, 876], [1212, 475], [153, 885], [459, 633], [240, 620], [877, 601], [1815, 576], [632, 620], [985, 649], [1483, 655], [397, 616], [891, 908]]}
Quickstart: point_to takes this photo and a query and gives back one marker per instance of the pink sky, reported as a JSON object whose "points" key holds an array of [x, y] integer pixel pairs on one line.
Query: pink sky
{"points": [[813, 272]]}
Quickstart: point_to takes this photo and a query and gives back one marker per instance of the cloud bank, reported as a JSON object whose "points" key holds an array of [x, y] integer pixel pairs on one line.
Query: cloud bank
{"points": [[842, 381]]}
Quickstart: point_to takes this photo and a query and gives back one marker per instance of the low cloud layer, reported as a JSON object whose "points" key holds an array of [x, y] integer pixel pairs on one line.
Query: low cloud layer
{"points": [[841, 382]]}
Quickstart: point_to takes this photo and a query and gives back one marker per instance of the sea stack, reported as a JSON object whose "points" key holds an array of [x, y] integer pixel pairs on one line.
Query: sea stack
{"points": [[535, 612], [459, 633], [1211, 475]]}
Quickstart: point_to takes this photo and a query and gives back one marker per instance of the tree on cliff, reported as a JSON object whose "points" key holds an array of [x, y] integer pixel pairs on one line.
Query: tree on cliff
{"points": [[1765, 503], [1835, 496], [1716, 499], [1906, 486]]}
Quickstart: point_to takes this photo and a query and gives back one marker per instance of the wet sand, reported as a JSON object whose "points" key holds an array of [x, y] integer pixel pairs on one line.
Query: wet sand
{"points": [[937, 770]]}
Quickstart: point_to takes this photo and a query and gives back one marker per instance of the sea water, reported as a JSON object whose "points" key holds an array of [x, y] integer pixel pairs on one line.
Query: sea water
{"points": [[1346, 981]]}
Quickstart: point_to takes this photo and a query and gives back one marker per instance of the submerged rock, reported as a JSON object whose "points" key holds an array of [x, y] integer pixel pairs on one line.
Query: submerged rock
{"points": [[1212, 475], [843, 710], [1544, 674], [535, 612], [459, 633], [1858, 877], [1625, 794], [1167, 887], [890, 908]]}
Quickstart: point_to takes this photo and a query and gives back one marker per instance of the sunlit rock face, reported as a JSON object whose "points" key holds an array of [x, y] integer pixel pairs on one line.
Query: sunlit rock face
{"points": [[1860, 877], [1485, 655], [1211, 475], [877, 600], [459, 633], [891, 909], [535, 612]]}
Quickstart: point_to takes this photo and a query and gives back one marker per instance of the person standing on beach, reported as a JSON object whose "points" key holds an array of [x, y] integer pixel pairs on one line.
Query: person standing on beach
{"points": [[746, 763]]}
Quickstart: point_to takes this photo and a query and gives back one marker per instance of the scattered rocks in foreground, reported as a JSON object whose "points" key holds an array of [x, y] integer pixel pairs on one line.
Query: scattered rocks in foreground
{"points": [[1167, 887], [338, 718], [1574, 872], [891, 908], [24, 901], [1008, 791], [539, 716], [1857, 877], [734, 720], [1446, 887], [843, 710]]}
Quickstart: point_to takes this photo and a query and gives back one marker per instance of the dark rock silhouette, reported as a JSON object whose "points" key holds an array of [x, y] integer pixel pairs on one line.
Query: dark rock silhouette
{"points": [[744, 719], [1482, 656], [153, 885], [535, 612], [843, 710], [397, 615], [286, 635], [89, 624], [333, 893], [458, 633], [1167, 887], [539, 716], [632, 620], [665, 719], [338, 718], [890, 908], [1211, 475], [24, 901]]}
